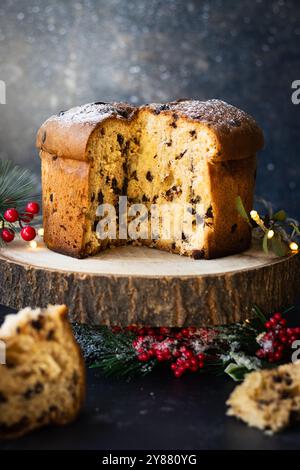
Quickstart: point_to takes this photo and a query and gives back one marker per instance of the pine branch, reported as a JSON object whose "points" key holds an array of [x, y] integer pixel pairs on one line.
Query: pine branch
{"points": [[111, 352], [17, 186]]}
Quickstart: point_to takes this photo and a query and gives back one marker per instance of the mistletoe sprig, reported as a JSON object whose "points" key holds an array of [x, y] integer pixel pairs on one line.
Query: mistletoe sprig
{"points": [[17, 187], [232, 349], [276, 231]]}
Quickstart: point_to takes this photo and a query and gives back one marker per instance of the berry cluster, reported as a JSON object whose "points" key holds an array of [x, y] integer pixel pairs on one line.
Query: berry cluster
{"points": [[278, 339], [12, 216], [181, 348]]}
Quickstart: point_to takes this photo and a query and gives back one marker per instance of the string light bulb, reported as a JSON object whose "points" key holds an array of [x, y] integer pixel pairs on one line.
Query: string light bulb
{"points": [[254, 215], [294, 246], [33, 244], [41, 232], [270, 234]]}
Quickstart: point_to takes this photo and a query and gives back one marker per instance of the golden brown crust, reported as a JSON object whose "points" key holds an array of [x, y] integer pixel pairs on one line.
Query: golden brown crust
{"points": [[237, 133], [66, 216], [67, 134], [226, 231]]}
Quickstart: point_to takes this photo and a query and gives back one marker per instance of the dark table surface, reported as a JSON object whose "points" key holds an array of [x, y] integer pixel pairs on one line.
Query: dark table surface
{"points": [[156, 412]]}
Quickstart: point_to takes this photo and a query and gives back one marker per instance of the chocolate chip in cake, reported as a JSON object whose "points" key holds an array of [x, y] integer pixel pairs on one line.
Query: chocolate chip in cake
{"points": [[102, 131], [93, 197], [145, 198], [133, 176], [196, 200], [38, 388], [100, 197], [3, 398], [198, 254], [95, 223], [155, 156], [44, 137], [120, 139], [193, 134], [51, 197], [173, 246], [168, 144], [149, 176], [107, 180], [233, 228], [125, 186], [178, 157], [50, 335], [37, 324], [114, 182], [209, 213], [55, 157]]}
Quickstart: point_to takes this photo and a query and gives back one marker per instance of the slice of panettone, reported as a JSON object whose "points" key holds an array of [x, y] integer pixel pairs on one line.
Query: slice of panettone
{"points": [[268, 399], [43, 379]]}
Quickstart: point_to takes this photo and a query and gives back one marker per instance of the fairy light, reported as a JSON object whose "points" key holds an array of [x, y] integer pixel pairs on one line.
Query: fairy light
{"points": [[33, 244], [294, 246], [41, 232], [254, 215], [270, 234]]}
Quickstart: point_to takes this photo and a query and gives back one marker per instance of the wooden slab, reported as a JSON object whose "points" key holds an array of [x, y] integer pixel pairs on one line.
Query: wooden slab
{"points": [[145, 286]]}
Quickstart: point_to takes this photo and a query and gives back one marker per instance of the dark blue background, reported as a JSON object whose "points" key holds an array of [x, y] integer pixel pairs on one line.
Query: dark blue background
{"points": [[61, 53]]}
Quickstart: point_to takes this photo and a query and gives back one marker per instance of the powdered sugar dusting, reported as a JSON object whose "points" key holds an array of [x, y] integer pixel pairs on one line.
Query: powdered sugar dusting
{"points": [[94, 113], [214, 112]]}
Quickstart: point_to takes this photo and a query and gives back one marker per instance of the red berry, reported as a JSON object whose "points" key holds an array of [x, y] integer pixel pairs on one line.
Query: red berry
{"points": [[28, 233], [277, 316], [201, 356], [178, 373], [282, 322], [189, 354], [11, 215], [33, 208], [268, 325], [277, 356], [143, 357], [273, 321], [290, 331], [201, 365], [283, 339], [173, 366], [7, 235], [261, 354], [297, 330]]}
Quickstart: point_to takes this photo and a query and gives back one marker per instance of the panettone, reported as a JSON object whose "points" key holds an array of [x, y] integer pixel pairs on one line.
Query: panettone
{"points": [[186, 152], [43, 379]]}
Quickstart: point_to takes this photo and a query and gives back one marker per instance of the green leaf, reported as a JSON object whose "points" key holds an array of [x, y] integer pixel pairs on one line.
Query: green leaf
{"points": [[278, 246], [241, 210], [237, 373], [259, 314], [265, 243], [280, 216]]}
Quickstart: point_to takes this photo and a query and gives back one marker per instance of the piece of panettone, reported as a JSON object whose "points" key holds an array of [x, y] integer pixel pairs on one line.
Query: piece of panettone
{"points": [[201, 154], [43, 380], [268, 399]]}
